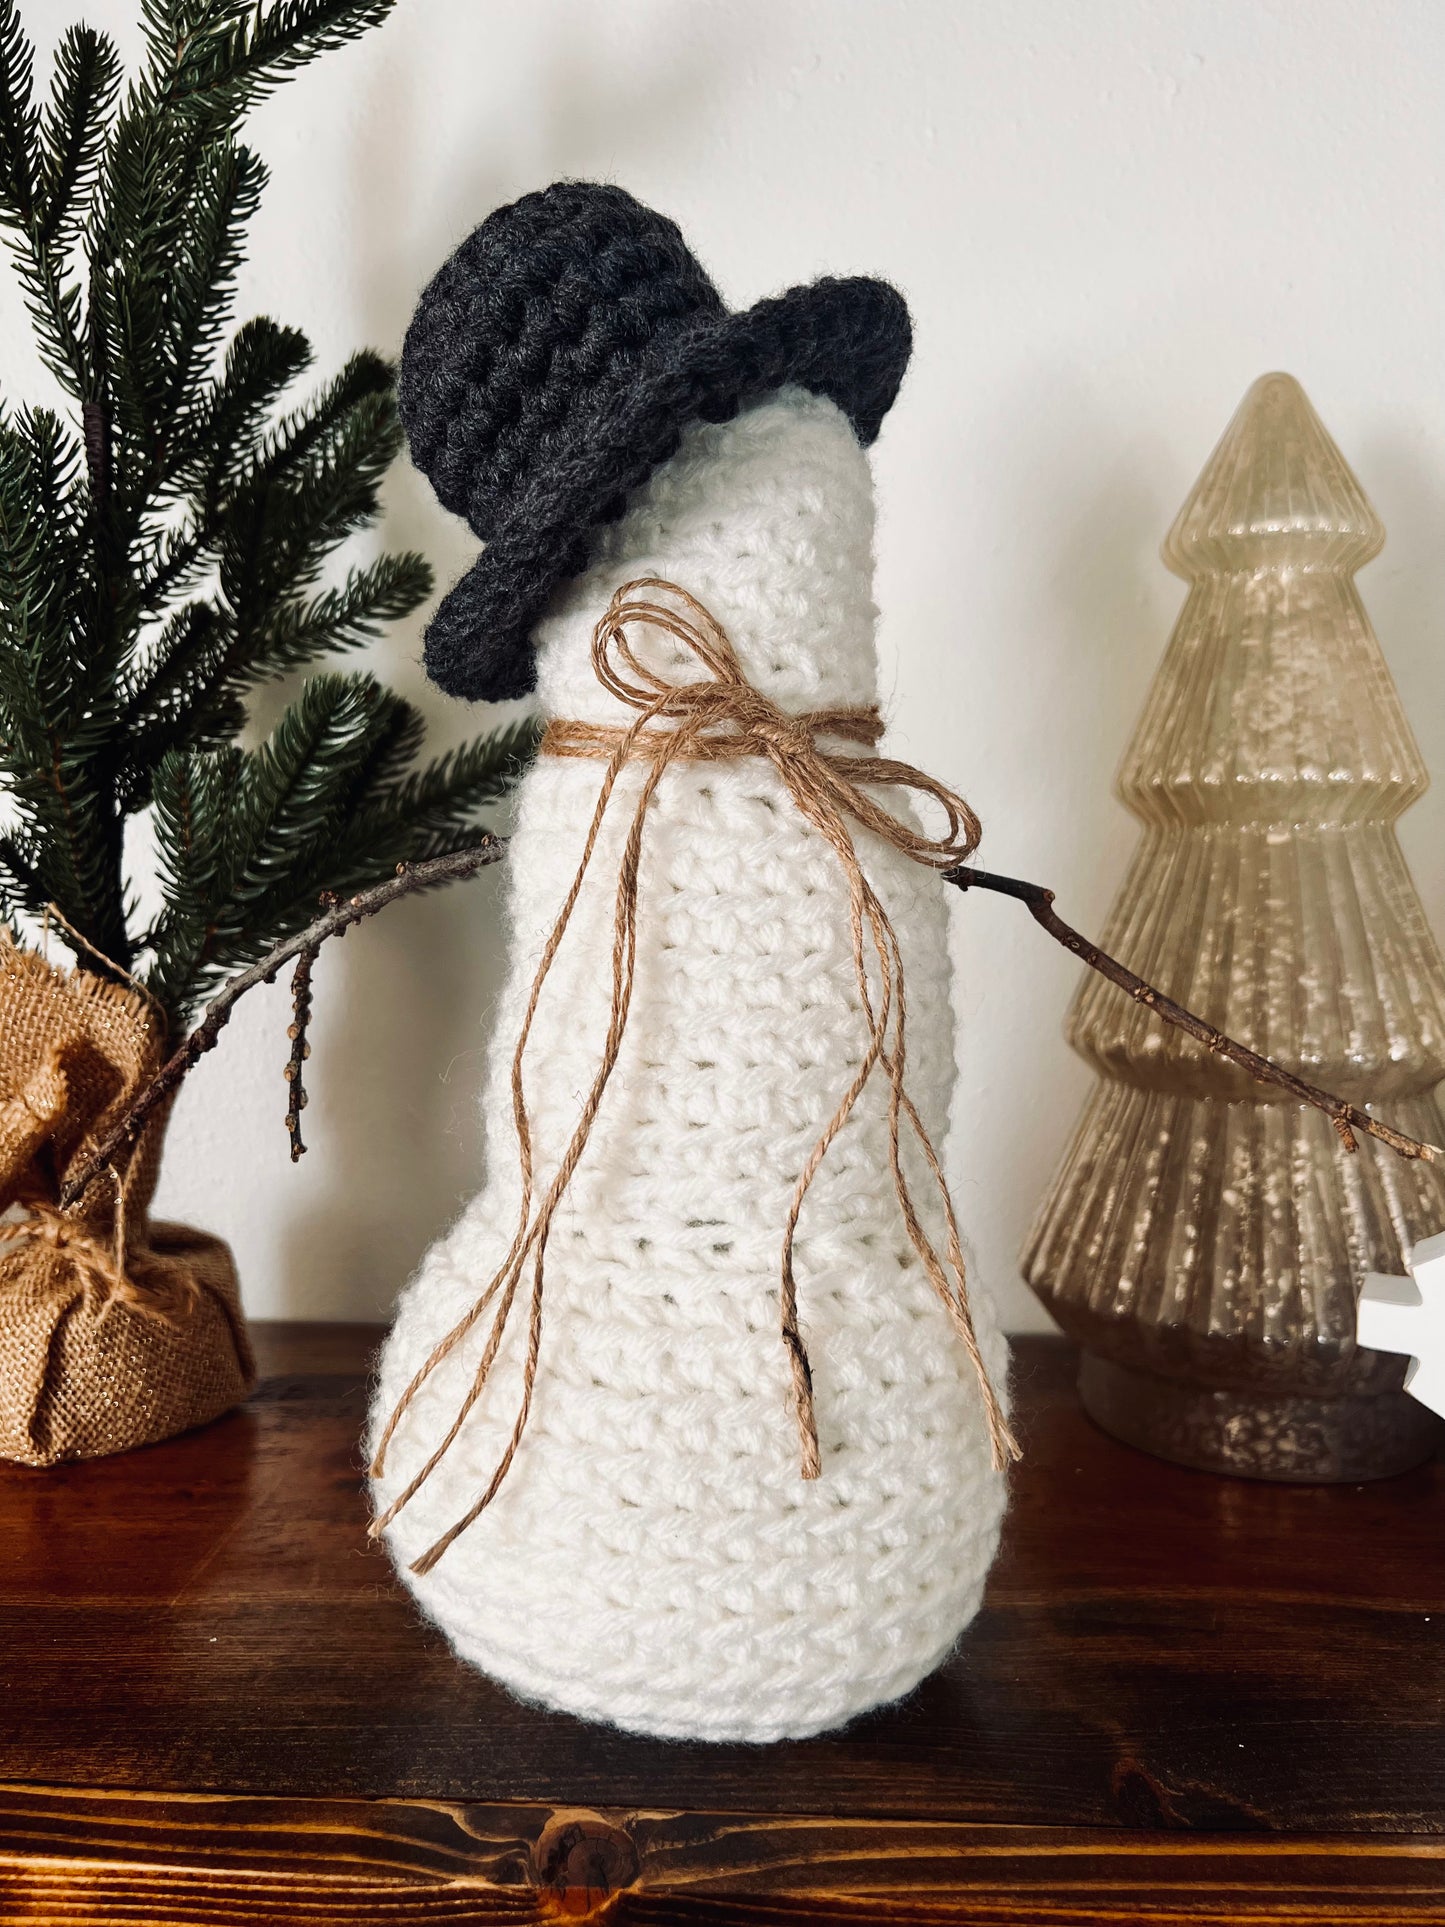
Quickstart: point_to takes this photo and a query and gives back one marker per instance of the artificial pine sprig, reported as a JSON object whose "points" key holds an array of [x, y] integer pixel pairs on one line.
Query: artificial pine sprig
{"points": [[165, 546]]}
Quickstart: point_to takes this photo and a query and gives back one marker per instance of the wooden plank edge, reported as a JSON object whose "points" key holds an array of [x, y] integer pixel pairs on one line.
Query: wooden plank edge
{"points": [[74, 1857]]}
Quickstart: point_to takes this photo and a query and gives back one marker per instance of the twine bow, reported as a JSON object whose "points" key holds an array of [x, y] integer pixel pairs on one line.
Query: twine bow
{"points": [[720, 716]]}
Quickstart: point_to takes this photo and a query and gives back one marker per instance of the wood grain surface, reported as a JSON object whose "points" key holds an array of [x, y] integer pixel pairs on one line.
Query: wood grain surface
{"points": [[1187, 1698], [210, 1858], [73, 1858]]}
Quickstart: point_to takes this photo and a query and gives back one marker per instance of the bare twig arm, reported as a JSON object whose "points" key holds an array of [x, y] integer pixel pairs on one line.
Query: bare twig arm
{"points": [[1346, 1118], [336, 918]]}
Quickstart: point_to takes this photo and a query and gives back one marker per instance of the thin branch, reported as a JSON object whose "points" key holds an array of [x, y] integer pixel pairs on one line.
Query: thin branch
{"points": [[410, 878], [300, 1050], [1346, 1118]]}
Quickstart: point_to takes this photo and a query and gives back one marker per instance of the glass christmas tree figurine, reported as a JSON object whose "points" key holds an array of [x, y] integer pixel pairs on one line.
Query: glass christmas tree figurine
{"points": [[1205, 1237]]}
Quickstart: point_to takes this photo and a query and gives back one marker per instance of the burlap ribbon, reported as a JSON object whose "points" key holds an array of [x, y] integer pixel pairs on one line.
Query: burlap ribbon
{"points": [[721, 717]]}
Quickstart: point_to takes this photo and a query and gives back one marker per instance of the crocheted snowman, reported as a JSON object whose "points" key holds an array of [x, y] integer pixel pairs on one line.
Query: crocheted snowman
{"points": [[652, 1556]]}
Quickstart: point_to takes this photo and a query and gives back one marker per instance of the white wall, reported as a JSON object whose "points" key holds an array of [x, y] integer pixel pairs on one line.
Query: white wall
{"points": [[1109, 217]]}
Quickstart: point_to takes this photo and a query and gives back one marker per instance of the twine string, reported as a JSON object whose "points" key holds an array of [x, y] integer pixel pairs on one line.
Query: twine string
{"points": [[100, 1262], [103, 1265], [82, 942], [720, 716], [111, 1268]]}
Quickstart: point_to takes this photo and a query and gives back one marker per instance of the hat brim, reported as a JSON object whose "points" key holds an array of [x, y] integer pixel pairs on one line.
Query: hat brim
{"points": [[846, 339]]}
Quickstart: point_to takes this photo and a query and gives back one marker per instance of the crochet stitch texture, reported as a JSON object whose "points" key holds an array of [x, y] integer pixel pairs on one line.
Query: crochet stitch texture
{"points": [[553, 363], [654, 1558]]}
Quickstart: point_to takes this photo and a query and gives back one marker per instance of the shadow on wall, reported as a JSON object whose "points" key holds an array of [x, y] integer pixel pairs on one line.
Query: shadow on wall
{"points": [[405, 1003], [592, 111], [395, 1097], [1097, 596], [1403, 591]]}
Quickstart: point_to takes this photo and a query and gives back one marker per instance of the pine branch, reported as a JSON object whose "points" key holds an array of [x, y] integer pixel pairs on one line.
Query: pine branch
{"points": [[57, 710], [247, 841], [54, 307], [314, 486], [173, 212], [261, 363], [84, 92], [175, 697], [358, 405], [203, 665], [344, 618], [170, 26], [195, 794], [226, 193], [243, 52], [19, 122], [314, 481], [432, 811], [22, 889], [169, 560], [27, 183], [155, 569], [244, 856], [343, 737], [271, 517], [40, 557]]}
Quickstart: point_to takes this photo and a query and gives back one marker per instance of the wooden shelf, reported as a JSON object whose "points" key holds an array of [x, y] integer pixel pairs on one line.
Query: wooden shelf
{"points": [[1186, 1699]]}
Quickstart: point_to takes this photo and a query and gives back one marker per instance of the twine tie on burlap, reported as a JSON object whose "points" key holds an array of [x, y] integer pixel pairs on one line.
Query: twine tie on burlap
{"points": [[721, 717], [102, 1263]]}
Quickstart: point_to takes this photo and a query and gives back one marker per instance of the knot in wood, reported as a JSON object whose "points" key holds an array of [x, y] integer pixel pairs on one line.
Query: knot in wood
{"points": [[581, 1861]]}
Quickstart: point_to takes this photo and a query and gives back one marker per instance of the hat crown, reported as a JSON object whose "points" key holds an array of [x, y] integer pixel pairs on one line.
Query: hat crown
{"points": [[543, 313]]}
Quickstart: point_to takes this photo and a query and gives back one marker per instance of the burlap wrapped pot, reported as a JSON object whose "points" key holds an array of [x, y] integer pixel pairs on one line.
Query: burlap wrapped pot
{"points": [[115, 1330]]}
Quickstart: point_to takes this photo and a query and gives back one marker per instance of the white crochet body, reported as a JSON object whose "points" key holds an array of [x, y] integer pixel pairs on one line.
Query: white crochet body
{"points": [[654, 1558]]}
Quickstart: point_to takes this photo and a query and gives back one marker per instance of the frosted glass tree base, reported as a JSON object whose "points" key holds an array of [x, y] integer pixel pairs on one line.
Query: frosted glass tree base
{"points": [[1258, 1435], [1206, 1255], [1205, 1237]]}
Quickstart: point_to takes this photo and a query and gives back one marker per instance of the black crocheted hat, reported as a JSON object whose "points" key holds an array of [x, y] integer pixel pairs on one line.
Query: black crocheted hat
{"points": [[553, 363]]}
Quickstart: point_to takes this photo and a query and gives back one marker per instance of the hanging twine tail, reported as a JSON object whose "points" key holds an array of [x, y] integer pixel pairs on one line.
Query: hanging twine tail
{"points": [[530, 1239], [721, 717]]}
